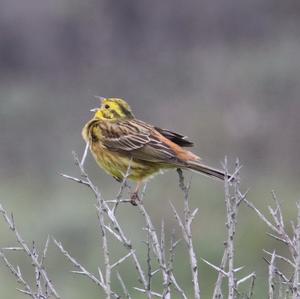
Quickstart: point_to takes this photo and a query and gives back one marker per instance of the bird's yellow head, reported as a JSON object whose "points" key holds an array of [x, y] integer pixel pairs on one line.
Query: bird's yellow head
{"points": [[113, 109]]}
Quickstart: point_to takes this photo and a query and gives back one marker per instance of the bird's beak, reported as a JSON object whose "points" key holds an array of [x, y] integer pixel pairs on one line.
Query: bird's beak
{"points": [[94, 110]]}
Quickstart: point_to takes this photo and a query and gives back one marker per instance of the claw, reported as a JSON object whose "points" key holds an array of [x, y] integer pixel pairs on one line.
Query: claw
{"points": [[134, 198]]}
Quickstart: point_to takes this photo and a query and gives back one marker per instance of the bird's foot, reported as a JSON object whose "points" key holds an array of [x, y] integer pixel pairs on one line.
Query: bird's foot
{"points": [[134, 198]]}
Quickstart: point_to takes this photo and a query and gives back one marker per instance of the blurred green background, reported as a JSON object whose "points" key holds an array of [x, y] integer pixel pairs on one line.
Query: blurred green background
{"points": [[227, 74]]}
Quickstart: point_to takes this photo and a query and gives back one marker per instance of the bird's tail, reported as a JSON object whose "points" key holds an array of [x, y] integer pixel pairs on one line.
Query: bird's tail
{"points": [[206, 170]]}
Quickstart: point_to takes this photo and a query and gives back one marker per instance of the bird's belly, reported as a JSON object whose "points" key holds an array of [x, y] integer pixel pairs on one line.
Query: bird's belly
{"points": [[117, 165]]}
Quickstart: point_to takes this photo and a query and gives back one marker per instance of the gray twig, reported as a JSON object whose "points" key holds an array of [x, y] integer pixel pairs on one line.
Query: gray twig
{"points": [[116, 229], [108, 267], [296, 280], [151, 293], [251, 289], [118, 199], [84, 154], [186, 227], [232, 210], [156, 248], [271, 276], [218, 286], [233, 198], [17, 273], [83, 271], [126, 293], [280, 233], [32, 254]]}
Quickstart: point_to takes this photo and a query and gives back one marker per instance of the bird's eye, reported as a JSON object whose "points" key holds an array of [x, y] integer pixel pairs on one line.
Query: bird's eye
{"points": [[106, 106]]}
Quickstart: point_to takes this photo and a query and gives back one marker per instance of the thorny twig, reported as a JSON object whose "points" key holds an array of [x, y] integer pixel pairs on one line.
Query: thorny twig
{"points": [[105, 248], [186, 227], [82, 270], [232, 210], [279, 232], [157, 250], [116, 229], [124, 288], [271, 276], [118, 199], [233, 198], [296, 239], [218, 285], [107, 212], [149, 271], [41, 275], [17, 273], [86, 149]]}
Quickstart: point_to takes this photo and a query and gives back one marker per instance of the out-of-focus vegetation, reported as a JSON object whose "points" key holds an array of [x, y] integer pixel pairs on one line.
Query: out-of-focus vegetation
{"points": [[225, 73]]}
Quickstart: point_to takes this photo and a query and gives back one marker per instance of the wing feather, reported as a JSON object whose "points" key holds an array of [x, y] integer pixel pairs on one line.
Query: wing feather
{"points": [[175, 137], [138, 140]]}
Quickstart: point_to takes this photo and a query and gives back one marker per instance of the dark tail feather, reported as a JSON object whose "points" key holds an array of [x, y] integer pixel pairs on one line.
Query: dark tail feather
{"points": [[206, 170]]}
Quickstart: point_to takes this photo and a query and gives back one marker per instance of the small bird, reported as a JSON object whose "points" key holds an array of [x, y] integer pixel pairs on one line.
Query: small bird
{"points": [[119, 142]]}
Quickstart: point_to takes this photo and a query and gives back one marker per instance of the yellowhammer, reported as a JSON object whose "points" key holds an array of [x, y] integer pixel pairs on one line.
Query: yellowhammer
{"points": [[119, 141]]}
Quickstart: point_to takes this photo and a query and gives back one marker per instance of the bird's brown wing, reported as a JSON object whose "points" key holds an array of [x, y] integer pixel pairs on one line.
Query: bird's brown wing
{"points": [[139, 140], [177, 138]]}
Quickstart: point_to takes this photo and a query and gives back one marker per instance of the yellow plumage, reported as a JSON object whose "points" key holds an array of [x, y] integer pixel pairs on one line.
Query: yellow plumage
{"points": [[117, 165]]}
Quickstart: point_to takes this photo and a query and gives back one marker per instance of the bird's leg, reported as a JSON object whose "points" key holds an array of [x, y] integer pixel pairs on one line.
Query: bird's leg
{"points": [[135, 195]]}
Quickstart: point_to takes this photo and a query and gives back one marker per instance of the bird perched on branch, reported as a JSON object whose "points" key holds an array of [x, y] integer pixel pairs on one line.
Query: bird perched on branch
{"points": [[120, 142]]}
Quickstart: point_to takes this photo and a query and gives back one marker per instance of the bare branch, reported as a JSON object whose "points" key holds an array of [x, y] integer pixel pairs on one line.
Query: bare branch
{"points": [[218, 286], [81, 269], [33, 256], [261, 215], [45, 249], [281, 258], [39, 290], [271, 276], [156, 249], [278, 238], [121, 260], [278, 209], [250, 293], [220, 270], [232, 209], [13, 248], [296, 280], [121, 190], [278, 228], [84, 154], [149, 271], [126, 293], [151, 293], [17, 273], [71, 178], [116, 227], [77, 265], [251, 275], [187, 232]]}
